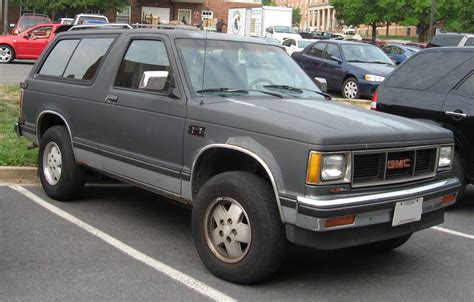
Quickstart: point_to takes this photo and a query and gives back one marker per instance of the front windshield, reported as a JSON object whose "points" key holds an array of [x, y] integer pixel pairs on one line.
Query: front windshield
{"points": [[285, 29], [248, 67], [364, 53]]}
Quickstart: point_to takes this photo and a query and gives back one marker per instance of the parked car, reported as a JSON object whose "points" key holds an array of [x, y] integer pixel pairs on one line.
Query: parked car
{"points": [[451, 39], [306, 35], [296, 45], [282, 33], [437, 86], [355, 69], [232, 126], [87, 18], [321, 35], [28, 44], [399, 53], [66, 21], [27, 21]]}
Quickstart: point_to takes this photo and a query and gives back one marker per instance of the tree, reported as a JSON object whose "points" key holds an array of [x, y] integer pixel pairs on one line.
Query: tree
{"points": [[296, 17], [463, 21], [356, 12], [71, 7], [268, 3]]}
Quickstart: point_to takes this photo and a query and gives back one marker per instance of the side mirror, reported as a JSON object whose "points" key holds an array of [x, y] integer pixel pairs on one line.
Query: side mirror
{"points": [[154, 80], [337, 59], [321, 83]]}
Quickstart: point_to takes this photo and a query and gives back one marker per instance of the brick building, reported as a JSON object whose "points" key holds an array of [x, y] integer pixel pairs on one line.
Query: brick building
{"points": [[150, 11]]}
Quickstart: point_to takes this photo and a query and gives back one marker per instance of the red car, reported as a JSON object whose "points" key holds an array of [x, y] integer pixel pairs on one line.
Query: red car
{"points": [[28, 44]]}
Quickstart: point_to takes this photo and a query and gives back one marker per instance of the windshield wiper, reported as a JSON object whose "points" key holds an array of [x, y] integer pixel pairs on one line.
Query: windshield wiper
{"points": [[357, 61], [229, 90], [378, 62], [297, 90]]}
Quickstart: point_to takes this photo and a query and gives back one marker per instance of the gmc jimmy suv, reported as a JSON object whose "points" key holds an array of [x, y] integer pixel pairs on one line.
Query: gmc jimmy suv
{"points": [[232, 126]]}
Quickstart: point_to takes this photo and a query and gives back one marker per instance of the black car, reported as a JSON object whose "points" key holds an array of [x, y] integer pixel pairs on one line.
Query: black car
{"points": [[355, 69], [451, 39], [437, 85]]}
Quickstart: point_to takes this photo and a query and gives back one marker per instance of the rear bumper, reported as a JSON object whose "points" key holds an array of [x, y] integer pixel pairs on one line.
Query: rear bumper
{"points": [[373, 215], [17, 128]]}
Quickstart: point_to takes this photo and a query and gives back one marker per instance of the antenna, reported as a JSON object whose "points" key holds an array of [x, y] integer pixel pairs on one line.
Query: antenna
{"points": [[203, 69]]}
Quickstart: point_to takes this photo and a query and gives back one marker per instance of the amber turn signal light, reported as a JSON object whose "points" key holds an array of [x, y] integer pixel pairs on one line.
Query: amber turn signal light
{"points": [[314, 165], [338, 221], [448, 198]]}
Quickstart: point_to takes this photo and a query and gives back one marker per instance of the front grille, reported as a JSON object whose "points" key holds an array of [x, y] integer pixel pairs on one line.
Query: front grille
{"points": [[391, 166]]}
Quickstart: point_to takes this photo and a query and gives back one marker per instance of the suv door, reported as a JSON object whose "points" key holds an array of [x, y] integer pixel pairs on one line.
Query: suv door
{"points": [[143, 122], [311, 60], [459, 115], [417, 88]]}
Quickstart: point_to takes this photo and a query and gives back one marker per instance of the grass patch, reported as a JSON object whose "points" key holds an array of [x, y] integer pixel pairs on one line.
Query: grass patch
{"points": [[13, 151]]}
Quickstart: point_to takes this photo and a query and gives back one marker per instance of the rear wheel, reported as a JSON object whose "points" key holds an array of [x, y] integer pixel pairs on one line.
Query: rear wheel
{"points": [[237, 228], [60, 176], [6, 54]]}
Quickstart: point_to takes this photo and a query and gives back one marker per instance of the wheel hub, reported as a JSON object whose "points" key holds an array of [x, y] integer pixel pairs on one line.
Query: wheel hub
{"points": [[52, 163], [227, 230]]}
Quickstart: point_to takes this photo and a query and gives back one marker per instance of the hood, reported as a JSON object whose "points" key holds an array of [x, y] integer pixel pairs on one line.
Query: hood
{"points": [[373, 68], [327, 124]]}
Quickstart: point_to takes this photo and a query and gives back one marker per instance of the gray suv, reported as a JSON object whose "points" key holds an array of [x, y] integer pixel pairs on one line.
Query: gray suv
{"points": [[232, 126]]}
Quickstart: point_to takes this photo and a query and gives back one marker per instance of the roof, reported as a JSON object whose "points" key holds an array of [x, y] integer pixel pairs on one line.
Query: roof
{"points": [[172, 33]]}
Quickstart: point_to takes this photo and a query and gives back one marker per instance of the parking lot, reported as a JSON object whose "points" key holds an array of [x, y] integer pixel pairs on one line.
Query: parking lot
{"points": [[16, 72], [123, 243]]}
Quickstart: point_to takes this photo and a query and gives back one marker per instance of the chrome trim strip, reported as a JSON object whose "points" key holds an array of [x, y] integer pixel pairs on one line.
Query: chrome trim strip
{"points": [[64, 120], [247, 152], [314, 201]]}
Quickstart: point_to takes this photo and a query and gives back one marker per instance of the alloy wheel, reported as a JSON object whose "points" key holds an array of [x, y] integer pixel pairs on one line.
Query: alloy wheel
{"points": [[52, 163]]}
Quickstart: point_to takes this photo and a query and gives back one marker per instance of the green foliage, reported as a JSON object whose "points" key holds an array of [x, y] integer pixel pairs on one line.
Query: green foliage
{"points": [[296, 17], [52, 7], [268, 3]]}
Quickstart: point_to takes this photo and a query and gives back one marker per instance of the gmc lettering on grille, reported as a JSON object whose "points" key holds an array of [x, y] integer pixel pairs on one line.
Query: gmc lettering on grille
{"points": [[398, 164]]}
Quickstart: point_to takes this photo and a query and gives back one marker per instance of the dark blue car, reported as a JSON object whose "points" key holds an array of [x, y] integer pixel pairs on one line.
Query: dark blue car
{"points": [[355, 69], [399, 53]]}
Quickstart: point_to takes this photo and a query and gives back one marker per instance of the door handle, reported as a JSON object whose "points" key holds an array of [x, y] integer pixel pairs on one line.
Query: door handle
{"points": [[111, 99], [456, 115]]}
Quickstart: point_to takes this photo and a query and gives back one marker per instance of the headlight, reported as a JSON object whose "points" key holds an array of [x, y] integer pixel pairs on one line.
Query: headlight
{"points": [[445, 157], [332, 167], [327, 167], [374, 78]]}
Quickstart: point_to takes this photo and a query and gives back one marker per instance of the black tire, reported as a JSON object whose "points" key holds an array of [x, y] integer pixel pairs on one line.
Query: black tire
{"points": [[267, 248], [460, 173], [72, 176], [6, 48], [351, 81], [388, 245]]}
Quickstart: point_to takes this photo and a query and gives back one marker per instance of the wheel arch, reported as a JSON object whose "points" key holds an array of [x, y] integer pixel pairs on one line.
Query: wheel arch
{"points": [[244, 155], [47, 119]]}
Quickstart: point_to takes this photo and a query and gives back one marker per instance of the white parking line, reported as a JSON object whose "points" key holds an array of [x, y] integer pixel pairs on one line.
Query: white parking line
{"points": [[157, 265], [453, 232]]}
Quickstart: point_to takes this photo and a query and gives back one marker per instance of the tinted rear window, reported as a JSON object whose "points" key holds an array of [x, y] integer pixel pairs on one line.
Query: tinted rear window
{"points": [[58, 58], [445, 40], [426, 69], [86, 59]]}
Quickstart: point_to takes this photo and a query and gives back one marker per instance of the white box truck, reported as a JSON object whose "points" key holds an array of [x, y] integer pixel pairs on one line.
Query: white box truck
{"points": [[270, 21]]}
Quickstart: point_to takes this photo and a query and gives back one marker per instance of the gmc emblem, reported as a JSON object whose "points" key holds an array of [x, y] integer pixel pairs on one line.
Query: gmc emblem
{"points": [[398, 164]]}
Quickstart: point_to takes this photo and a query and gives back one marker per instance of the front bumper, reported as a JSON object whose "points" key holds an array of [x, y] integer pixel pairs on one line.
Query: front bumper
{"points": [[367, 88], [373, 215]]}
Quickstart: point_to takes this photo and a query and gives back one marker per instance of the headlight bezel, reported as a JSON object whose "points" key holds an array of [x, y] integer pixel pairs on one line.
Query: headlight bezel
{"points": [[320, 158], [445, 167], [374, 78]]}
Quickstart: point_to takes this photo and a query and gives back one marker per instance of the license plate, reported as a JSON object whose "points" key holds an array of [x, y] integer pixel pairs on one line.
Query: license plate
{"points": [[407, 211]]}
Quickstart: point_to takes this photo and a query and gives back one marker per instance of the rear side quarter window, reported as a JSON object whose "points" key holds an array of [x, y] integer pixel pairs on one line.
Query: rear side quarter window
{"points": [[426, 69]]}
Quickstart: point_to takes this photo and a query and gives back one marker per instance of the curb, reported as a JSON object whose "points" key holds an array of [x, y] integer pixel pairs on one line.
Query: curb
{"points": [[22, 175]]}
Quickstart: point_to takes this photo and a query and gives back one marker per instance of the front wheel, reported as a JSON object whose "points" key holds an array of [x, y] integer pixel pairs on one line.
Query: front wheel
{"points": [[350, 89], [60, 176], [237, 228], [6, 54]]}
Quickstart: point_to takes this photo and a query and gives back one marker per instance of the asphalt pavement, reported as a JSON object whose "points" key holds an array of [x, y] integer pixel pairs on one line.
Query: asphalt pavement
{"points": [[15, 72], [123, 243]]}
